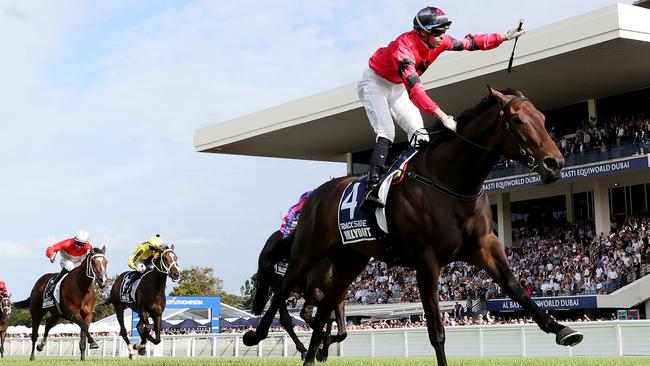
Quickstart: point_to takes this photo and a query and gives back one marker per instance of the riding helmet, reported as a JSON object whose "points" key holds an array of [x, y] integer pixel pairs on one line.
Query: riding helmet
{"points": [[82, 236], [156, 241], [431, 18]]}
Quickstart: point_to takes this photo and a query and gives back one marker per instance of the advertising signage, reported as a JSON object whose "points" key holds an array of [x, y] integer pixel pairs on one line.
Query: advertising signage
{"points": [[546, 303], [570, 173]]}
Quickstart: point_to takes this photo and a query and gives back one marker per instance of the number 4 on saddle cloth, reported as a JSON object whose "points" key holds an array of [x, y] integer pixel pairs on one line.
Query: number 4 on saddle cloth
{"points": [[356, 224]]}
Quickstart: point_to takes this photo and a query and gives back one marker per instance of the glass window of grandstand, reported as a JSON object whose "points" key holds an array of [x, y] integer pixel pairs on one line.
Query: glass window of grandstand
{"points": [[629, 200], [583, 206], [536, 217]]}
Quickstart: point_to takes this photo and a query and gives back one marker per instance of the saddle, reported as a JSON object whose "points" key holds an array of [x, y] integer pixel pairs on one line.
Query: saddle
{"points": [[55, 298], [356, 224], [130, 283]]}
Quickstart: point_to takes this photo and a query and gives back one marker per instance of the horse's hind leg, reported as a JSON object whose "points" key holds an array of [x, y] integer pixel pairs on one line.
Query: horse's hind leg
{"points": [[119, 313], [287, 324], [37, 316], [492, 258], [322, 315], [427, 276], [54, 318]]}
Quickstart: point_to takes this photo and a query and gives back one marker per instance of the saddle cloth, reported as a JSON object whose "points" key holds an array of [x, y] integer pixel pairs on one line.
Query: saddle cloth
{"points": [[55, 299], [130, 287], [356, 224]]}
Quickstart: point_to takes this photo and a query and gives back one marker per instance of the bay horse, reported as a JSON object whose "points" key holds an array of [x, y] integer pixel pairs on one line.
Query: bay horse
{"points": [[436, 215], [77, 300], [5, 310], [318, 281], [150, 300]]}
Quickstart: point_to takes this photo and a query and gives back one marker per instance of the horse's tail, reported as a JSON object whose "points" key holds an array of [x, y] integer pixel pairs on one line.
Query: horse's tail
{"points": [[21, 304], [275, 250]]}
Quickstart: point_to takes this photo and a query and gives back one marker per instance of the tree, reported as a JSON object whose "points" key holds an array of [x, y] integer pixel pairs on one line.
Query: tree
{"points": [[247, 292], [102, 308]]}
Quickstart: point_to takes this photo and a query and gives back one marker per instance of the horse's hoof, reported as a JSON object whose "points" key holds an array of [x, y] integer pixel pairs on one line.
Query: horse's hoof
{"points": [[303, 355], [39, 347], [250, 338], [32, 358], [133, 355], [321, 356], [93, 345], [142, 351], [568, 337]]}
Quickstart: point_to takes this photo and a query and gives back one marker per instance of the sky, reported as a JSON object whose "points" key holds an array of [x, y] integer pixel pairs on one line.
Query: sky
{"points": [[100, 100]]}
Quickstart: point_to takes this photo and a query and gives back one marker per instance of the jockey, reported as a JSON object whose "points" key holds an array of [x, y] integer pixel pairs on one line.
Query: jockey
{"points": [[141, 260], [73, 251], [4, 292], [391, 87], [290, 220]]}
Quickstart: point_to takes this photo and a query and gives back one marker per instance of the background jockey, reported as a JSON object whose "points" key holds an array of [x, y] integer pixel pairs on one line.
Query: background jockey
{"points": [[391, 89], [73, 251], [141, 260], [4, 292], [290, 220]]}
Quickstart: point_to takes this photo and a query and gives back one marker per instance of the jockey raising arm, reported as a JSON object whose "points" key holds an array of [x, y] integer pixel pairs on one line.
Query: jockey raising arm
{"points": [[4, 292], [290, 220], [73, 251], [391, 87], [143, 254]]}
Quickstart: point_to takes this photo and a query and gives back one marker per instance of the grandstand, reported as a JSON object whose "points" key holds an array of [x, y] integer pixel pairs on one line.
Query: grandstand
{"points": [[589, 74]]}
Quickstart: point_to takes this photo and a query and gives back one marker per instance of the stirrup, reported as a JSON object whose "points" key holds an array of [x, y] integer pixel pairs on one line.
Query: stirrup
{"points": [[372, 201]]}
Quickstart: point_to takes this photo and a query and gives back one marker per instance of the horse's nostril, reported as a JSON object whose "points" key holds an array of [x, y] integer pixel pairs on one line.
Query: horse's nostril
{"points": [[551, 164]]}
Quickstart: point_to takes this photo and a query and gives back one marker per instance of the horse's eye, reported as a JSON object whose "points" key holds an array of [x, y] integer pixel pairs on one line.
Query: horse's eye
{"points": [[515, 120]]}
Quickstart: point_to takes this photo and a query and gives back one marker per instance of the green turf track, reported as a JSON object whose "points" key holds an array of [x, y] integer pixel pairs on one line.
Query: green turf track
{"points": [[379, 361]]}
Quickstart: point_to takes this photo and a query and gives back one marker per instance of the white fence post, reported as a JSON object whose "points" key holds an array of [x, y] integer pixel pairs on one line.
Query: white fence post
{"points": [[236, 347], [523, 341], [372, 344], [285, 348], [480, 341], [406, 344], [619, 340]]}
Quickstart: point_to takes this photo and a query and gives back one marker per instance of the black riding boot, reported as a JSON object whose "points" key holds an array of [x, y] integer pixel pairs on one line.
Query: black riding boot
{"points": [[55, 280], [377, 162]]}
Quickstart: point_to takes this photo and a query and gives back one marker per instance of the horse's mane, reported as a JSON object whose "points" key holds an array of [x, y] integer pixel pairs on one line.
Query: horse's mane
{"points": [[488, 101]]}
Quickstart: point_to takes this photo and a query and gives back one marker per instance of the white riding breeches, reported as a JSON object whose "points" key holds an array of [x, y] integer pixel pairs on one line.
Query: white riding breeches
{"points": [[69, 265], [385, 102]]}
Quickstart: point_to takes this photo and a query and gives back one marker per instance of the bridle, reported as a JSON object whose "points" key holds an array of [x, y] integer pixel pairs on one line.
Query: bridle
{"points": [[90, 269], [161, 267], [531, 162], [6, 306]]}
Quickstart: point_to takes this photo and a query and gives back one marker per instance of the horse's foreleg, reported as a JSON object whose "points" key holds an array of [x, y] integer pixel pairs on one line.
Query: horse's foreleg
{"points": [[82, 345], [83, 323], [322, 315], [492, 258], [427, 276], [287, 324], [3, 334], [54, 318], [339, 315], [253, 337], [157, 324]]}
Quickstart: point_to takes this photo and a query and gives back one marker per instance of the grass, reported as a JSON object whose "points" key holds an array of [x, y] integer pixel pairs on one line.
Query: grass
{"points": [[453, 361]]}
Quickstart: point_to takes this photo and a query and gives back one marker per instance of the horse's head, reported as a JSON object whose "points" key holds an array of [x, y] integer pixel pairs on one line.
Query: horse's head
{"points": [[97, 263], [526, 139], [6, 306], [169, 263]]}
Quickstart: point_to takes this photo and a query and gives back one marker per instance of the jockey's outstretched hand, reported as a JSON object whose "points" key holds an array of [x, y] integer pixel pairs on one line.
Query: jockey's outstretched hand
{"points": [[514, 33], [140, 267]]}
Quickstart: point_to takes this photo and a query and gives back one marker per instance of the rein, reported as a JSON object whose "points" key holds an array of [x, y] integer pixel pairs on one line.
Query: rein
{"points": [[531, 161]]}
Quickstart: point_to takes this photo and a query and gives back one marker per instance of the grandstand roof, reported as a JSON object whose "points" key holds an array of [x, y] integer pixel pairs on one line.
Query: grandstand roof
{"points": [[597, 54]]}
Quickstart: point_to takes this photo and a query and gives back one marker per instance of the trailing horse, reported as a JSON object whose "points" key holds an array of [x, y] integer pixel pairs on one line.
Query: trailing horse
{"points": [[318, 282], [77, 300], [149, 298], [5, 310], [436, 215]]}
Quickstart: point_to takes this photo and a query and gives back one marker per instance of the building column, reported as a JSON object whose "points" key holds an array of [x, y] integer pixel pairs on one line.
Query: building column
{"points": [[504, 219], [591, 109], [601, 207], [348, 160], [647, 309], [568, 201]]}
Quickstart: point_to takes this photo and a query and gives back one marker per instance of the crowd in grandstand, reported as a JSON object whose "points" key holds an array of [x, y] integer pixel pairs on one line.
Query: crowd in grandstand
{"points": [[554, 258]]}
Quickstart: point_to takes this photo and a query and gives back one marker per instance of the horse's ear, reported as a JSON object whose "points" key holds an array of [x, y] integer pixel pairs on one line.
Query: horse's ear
{"points": [[172, 247], [104, 249], [498, 95]]}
